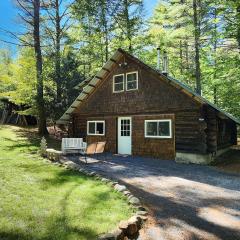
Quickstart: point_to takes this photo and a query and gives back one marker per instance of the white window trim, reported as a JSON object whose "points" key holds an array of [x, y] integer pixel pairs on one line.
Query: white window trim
{"points": [[96, 134], [114, 83], [131, 81], [162, 120]]}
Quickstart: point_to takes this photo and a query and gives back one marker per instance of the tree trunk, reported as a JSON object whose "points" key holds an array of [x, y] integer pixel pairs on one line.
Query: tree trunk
{"points": [[128, 25], [187, 55], [57, 53], [42, 126], [215, 56], [197, 46], [106, 42], [181, 57], [238, 26], [105, 28]]}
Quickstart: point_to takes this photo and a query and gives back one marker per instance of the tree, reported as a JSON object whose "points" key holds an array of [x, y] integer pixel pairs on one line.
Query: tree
{"points": [[30, 15], [5, 70], [231, 10], [56, 25], [128, 18], [197, 33], [171, 28]]}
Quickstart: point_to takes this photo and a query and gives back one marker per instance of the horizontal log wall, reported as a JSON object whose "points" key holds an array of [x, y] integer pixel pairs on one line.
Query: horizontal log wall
{"points": [[227, 130], [221, 133], [190, 132]]}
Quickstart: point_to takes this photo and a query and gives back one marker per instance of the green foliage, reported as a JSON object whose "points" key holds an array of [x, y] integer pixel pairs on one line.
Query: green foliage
{"points": [[20, 82], [5, 71], [97, 28], [70, 76], [102, 27], [171, 28]]}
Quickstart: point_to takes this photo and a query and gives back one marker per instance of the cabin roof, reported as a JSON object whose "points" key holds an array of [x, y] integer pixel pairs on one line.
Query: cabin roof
{"points": [[82, 84], [89, 84]]}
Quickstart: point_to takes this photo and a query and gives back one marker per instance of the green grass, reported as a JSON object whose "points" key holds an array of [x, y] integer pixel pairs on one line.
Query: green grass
{"points": [[39, 200]]}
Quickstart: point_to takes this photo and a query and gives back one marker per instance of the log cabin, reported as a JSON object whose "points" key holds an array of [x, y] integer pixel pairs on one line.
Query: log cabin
{"points": [[141, 111]]}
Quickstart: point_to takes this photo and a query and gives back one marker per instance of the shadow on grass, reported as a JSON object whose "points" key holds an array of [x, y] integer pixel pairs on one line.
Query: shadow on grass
{"points": [[64, 176], [28, 140], [31, 135]]}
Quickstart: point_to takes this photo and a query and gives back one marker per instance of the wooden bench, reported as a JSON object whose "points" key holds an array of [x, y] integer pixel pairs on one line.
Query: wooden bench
{"points": [[73, 145]]}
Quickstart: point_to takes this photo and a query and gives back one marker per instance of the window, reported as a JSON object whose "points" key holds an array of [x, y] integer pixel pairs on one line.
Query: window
{"points": [[125, 127], [118, 83], [158, 128], [132, 81], [128, 82], [96, 127]]}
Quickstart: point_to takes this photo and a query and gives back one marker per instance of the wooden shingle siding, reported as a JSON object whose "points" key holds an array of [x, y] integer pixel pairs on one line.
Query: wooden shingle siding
{"points": [[110, 130], [163, 148], [152, 96], [195, 126], [153, 99]]}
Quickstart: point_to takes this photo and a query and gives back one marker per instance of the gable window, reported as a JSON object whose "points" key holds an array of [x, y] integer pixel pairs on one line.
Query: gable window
{"points": [[118, 83], [96, 128], [158, 128], [132, 81]]}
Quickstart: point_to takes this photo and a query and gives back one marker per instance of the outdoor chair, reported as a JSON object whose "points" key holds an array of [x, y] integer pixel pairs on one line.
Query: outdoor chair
{"points": [[93, 149], [90, 150], [100, 149]]}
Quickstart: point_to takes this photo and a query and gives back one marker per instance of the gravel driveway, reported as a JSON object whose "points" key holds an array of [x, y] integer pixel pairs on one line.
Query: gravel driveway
{"points": [[187, 201]]}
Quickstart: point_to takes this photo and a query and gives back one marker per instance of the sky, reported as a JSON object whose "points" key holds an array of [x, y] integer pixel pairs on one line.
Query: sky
{"points": [[8, 19]]}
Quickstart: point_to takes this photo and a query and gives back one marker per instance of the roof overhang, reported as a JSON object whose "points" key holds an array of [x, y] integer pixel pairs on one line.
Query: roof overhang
{"points": [[88, 87]]}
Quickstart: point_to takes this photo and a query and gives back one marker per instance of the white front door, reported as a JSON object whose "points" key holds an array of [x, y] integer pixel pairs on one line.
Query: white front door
{"points": [[125, 135]]}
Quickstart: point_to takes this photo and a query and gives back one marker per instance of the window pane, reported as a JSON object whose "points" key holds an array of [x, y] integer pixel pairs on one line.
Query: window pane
{"points": [[131, 81], [99, 128], [118, 79], [152, 129], [118, 87], [132, 77], [118, 83], [131, 85], [127, 133], [164, 129], [91, 127]]}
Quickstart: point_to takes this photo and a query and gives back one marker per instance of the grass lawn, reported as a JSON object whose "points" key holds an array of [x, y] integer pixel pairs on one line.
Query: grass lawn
{"points": [[39, 200]]}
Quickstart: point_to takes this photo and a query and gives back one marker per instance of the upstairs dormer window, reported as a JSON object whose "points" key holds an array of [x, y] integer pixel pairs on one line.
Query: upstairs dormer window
{"points": [[118, 83], [132, 81], [128, 82]]}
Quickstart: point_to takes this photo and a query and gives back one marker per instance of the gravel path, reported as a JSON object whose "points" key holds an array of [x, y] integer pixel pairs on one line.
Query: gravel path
{"points": [[186, 201]]}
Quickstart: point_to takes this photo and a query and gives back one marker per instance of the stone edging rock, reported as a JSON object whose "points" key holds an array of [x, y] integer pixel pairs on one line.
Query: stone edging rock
{"points": [[125, 230]]}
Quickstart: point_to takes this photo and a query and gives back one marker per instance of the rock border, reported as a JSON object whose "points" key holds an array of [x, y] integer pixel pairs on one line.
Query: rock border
{"points": [[125, 230]]}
